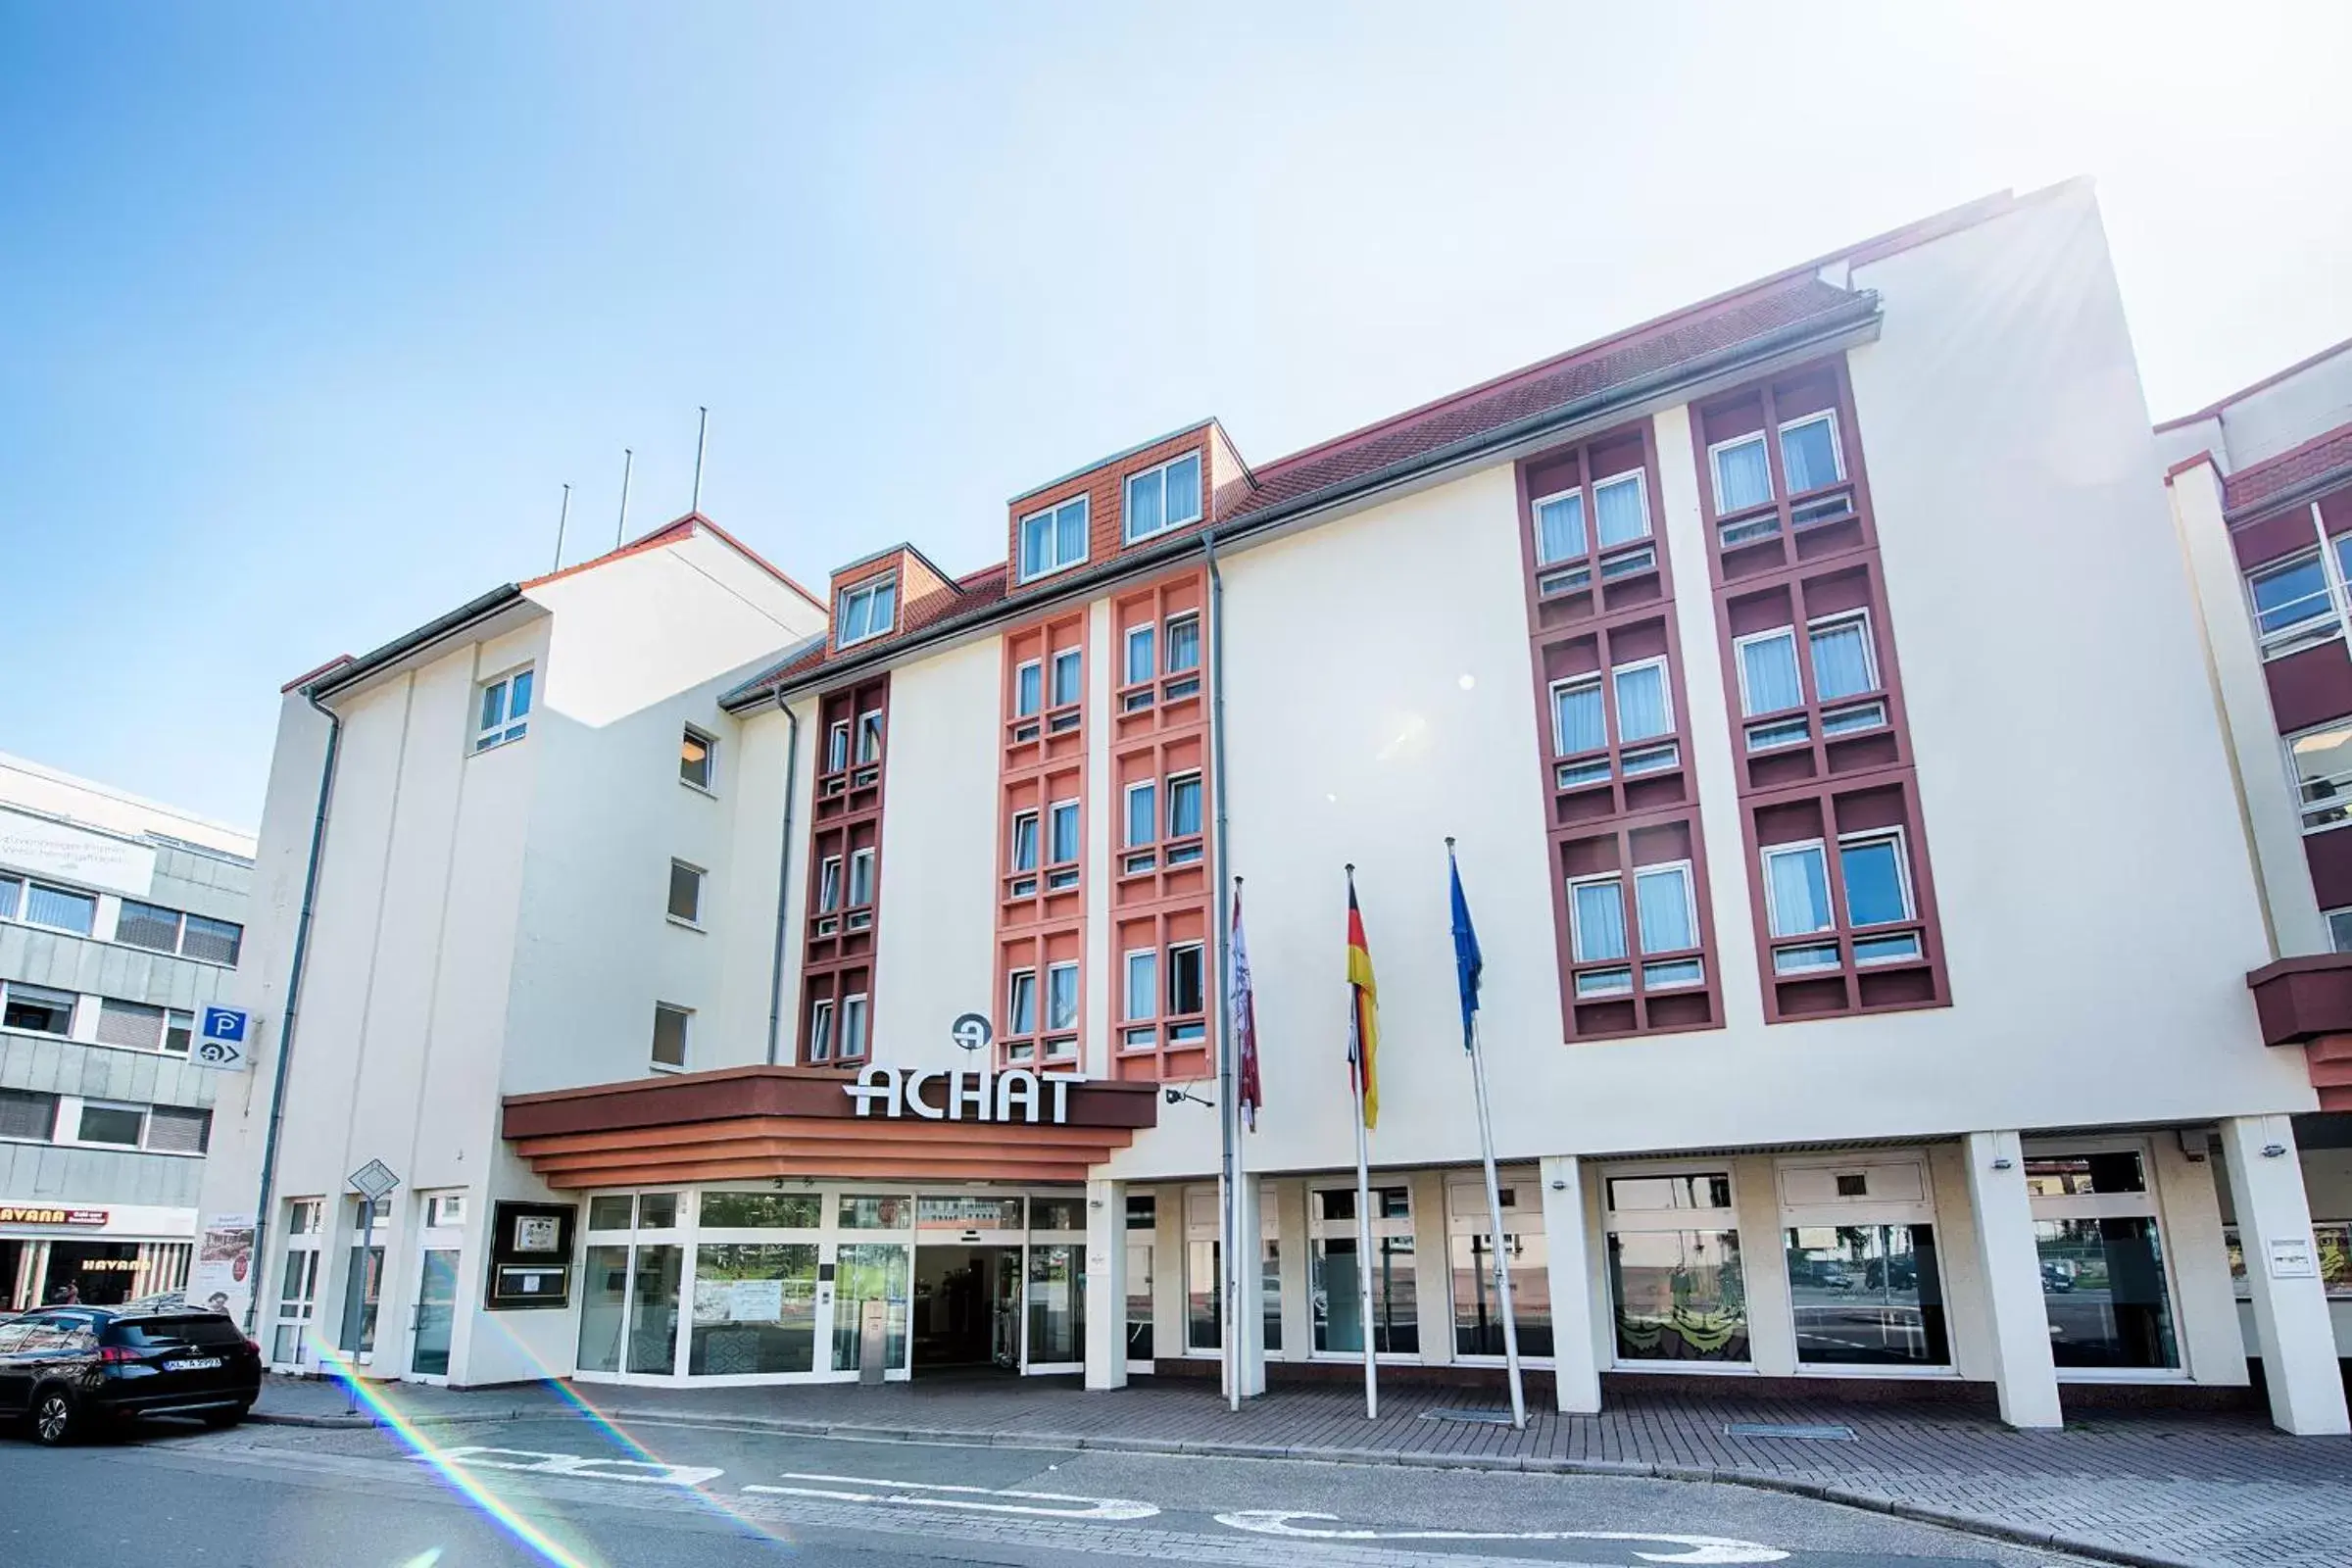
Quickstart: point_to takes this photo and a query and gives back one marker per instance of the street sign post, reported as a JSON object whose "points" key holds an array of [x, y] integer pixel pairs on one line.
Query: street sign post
{"points": [[373, 1182], [222, 1036]]}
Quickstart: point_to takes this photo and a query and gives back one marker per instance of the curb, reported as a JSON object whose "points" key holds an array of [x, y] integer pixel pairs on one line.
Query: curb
{"points": [[1974, 1524]]}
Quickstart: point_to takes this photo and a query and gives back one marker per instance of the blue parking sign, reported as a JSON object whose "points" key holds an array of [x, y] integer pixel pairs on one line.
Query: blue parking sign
{"points": [[225, 1023]]}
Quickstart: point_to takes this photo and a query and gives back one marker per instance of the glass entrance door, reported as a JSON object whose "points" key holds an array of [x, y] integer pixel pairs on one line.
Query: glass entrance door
{"points": [[436, 1313], [1057, 1306]]}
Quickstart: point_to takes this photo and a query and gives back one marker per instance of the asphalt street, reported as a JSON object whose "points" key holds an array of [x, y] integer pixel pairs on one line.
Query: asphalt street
{"points": [[576, 1493]]}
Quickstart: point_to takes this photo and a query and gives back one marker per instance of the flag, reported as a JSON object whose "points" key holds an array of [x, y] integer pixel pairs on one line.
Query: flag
{"points": [[1468, 963], [1245, 1022], [1363, 1049]]}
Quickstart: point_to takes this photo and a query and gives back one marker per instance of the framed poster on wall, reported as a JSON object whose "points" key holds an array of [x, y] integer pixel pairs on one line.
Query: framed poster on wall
{"points": [[530, 1256]]}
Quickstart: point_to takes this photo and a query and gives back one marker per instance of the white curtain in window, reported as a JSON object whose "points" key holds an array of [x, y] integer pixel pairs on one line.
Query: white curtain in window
{"points": [[1035, 533], [1768, 674], [1842, 660], [1183, 497], [1065, 833], [55, 906], [1029, 686], [1599, 921], [1576, 719], [1621, 510], [1143, 505], [1642, 712], [1184, 644], [1809, 456], [1138, 656], [1143, 814], [1142, 986], [1662, 895], [1069, 534], [1800, 891], [1742, 477], [1560, 528], [1061, 997], [1184, 807]]}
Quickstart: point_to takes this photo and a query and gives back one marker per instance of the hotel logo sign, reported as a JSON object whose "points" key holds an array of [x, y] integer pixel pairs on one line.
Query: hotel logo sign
{"points": [[52, 1216], [964, 1094]]}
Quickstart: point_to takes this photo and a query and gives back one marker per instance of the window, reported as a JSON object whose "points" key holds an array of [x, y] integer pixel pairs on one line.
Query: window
{"points": [[1878, 885], [820, 1031], [37, 1010], [1184, 644], [1053, 539], [1843, 664], [1142, 986], [829, 884], [1577, 725], [1742, 473], [1335, 1271], [2102, 1259], [1809, 456], [1068, 676], [1162, 498], [2339, 929], [868, 610], [685, 893], [1645, 706], [670, 1034], [212, 941], [1559, 527], [1596, 919], [116, 1125], [1140, 665], [1186, 980], [854, 1014], [837, 746], [1797, 889], [2291, 602], [869, 735], [1024, 842], [179, 1028], [61, 909], [1028, 689], [1065, 832], [1142, 813], [1767, 678], [861, 877], [697, 761], [148, 926], [1621, 509], [1668, 915], [1470, 1245], [1184, 806], [1675, 1284], [1021, 1002], [1061, 995], [2321, 760], [178, 1129], [504, 709], [10, 892], [26, 1114], [131, 1023], [444, 1209]]}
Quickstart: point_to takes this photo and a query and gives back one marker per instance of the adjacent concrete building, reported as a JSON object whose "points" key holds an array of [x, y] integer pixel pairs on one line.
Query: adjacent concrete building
{"points": [[752, 986]]}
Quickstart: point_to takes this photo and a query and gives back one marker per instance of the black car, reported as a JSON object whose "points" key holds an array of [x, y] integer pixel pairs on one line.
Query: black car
{"points": [[69, 1369]]}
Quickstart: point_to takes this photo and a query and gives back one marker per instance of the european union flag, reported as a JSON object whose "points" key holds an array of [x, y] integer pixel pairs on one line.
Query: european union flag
{"points": [[1467, 961]]}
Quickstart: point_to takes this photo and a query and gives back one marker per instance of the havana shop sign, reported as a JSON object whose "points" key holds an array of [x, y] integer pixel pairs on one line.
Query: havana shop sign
{"points": [[964, 1094]]}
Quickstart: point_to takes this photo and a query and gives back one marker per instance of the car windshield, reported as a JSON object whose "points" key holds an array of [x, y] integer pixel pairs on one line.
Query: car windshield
{"points": [[162, 1333]]}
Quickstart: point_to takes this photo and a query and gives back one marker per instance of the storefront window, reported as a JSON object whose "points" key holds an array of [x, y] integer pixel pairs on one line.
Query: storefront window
{"points": [[2333, 1240], [1056, 1302], [869, 1271], [1204, 1273], [1867, 1296], [1675, 1284], [654, 1310], [754, 1309], [967, 1213], [1470, 1245], [2102, 1260], [603, 1307], [796, 1211], [891, 1212], [1142, 1221], [1337, 1285], [615, 1212], [1057, 1214]]}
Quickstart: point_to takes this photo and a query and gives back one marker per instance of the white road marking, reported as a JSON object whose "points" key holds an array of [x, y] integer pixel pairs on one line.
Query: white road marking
{"points": [[584, 1466], [940, 1494], [1700, 1548]]}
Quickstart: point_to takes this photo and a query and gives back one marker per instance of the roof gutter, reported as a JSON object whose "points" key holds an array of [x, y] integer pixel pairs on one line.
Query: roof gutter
{"points": [[1421, 466], [432, 631]]}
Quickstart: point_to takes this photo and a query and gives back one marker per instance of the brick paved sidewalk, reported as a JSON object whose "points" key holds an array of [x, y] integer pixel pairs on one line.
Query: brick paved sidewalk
{"points": [[2199, 1489]]}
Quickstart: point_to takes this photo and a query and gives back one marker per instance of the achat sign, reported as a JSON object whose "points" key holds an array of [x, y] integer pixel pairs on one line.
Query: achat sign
{"points": [[969, 1094]]}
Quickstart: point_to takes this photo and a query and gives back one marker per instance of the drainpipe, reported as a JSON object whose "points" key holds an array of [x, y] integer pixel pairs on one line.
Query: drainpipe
{"points": [[775, 970], [285, 1027], [1229, 1117]]}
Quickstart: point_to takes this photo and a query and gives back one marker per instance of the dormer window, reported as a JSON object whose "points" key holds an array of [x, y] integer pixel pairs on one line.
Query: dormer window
{"points": [[868, 611], [1163, 497], [1054, 540]]}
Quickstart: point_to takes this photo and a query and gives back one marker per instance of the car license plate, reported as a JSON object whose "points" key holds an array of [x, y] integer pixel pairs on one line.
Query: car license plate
{"points": [[198, 1363]]}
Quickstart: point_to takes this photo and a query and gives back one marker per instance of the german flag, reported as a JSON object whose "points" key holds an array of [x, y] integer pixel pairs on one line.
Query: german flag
{"points": [[1363, 1033]]}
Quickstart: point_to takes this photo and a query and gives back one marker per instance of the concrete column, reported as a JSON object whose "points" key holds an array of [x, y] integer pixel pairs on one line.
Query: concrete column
{"points": [[2290, 1306], [1569, 1261], [1105, 1285], [1250, 1313], [1771, 1316], [1287, 1198], [1432, 1269], [2205, 1316], [2023, 1372]]}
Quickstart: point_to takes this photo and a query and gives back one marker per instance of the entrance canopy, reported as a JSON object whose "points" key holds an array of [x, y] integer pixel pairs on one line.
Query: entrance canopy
{"points": [[738, 1122]]}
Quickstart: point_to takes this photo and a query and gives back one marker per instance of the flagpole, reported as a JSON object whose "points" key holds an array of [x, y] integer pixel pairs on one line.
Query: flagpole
{"points": [[1230, 1220], [1364, 1198], [1503, 1262]]}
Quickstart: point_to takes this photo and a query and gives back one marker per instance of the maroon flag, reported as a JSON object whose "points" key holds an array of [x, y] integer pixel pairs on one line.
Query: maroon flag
{"points": [[1245, 1022]]}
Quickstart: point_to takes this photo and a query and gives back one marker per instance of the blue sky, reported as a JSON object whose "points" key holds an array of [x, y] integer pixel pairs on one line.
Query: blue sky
{"points": [[308, 312]]}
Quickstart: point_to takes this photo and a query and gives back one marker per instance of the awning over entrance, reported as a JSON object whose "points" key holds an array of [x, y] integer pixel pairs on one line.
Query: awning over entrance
{"points": [[2308, 1002], [739, 1122]]}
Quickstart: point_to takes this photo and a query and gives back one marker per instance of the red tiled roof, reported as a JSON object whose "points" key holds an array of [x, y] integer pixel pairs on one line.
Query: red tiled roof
{"points": [[1571, 377], [2267, 481]]}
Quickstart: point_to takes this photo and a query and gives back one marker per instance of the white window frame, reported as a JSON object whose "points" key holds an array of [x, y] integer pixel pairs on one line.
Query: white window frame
{"points": [[1638, 478], [1168, 1008], [1830, 880], [1827, 416], [509, 728], [1860, 615], [31, 885], [829, 884], [857, 1010], [685, 1017], [710, 745], [870, 723], [1148, 633], [1159, 470], [1535, 519], [1149, 992], [2338, 940], [1192, 776], [1012, 848], [1054, 969], [1013, 1027], [1576, 926], [1127, 797], [1559, 738], [1902, 877], [865, 593], [850, 891], [72, 1013], [2295, 781], [1053, 815], [836, 744], [820, 1030], [1025, 668], [1616, 708], [87, 1102], [1053, 564], [1167, 643], [1077, 660], [1715, 471], [1689, 875], [692, 921], [1740, 646]]}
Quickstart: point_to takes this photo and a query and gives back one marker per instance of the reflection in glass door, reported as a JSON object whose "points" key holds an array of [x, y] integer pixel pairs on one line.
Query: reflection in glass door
{"points": [[436, 1313], [654, 1311], [604, 1308], [1057, 1305], [870, 1271]]}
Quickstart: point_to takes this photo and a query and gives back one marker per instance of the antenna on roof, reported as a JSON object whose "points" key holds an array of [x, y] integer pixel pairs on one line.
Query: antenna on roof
{"points": [[562, 517], [702, 433], [628, 460]]}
